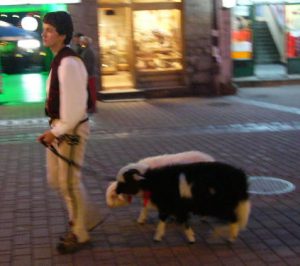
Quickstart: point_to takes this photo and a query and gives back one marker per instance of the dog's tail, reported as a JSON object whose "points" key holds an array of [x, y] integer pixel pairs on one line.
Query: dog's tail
{"points": [[243, 213]]}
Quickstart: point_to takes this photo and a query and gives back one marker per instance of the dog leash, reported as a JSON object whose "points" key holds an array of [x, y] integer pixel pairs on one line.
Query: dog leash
{"points": [[72, 163], [54, 150]]}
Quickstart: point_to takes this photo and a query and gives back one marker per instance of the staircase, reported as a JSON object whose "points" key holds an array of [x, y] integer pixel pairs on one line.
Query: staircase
{"points": [[265, 48]]}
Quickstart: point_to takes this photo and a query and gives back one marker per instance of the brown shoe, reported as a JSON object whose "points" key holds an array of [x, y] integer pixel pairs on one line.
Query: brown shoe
{"points": [[65, 236], [70, 244]]}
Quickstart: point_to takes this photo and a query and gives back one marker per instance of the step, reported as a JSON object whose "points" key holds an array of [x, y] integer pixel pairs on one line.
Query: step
{"points": [[120, 95], [267, 61]]}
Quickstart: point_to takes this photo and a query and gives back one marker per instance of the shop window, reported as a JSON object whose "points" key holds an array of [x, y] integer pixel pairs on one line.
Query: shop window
{"points": [[141, 44], [157, 40]]}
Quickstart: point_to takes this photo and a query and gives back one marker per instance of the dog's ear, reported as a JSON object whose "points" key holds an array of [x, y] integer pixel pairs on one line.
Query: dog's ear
{"points": [[133, 175], [138, 177]]}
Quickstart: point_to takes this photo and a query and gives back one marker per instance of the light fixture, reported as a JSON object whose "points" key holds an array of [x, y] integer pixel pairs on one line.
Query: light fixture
{"points": [[29, 23]]}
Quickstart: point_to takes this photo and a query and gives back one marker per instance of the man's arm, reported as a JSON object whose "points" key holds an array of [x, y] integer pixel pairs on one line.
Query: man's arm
{"points": [[72, 77]]}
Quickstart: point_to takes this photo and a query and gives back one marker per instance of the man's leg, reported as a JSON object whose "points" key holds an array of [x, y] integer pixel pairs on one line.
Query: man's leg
{"points": [[73, 191]]}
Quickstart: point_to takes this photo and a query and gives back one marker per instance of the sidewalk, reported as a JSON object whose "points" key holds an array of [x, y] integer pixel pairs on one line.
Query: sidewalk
{"points": [[257, 130]]}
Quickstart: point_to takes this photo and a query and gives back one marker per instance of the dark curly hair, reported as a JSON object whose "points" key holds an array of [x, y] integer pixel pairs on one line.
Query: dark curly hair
{"points": [[62, 22]]}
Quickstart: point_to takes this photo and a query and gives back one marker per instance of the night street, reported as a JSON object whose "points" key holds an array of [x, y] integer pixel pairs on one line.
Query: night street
{"points": [[258, 130]]}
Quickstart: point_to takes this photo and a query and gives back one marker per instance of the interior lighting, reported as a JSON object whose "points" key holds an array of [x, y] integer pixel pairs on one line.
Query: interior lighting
{"points": [[29, 23]]}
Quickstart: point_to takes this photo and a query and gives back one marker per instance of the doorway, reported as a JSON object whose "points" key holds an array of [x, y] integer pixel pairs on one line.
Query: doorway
{"points": [[115, 43]]}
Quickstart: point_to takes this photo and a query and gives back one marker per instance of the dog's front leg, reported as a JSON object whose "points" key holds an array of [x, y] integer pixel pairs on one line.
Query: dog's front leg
{"points": [[143, 215], [233, 232], [161, 227], [160, 231], [189, 233]]}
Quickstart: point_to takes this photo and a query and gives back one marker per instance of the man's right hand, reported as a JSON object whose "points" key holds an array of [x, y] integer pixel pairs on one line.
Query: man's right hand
{"points": [[47, 138]]}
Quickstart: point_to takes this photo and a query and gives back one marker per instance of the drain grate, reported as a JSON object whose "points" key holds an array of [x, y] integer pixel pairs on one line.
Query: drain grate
{"points": [[266, 185]]}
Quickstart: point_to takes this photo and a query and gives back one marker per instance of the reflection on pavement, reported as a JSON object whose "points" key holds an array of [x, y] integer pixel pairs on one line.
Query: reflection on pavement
{"points": [[23, 88]]}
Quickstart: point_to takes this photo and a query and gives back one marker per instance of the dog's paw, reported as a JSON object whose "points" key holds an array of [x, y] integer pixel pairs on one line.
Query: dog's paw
{"points": [[190, 235]]}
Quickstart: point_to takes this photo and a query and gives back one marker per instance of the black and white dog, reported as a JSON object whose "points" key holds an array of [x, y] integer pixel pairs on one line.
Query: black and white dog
{"points": [[204, 188], [153, 162]]}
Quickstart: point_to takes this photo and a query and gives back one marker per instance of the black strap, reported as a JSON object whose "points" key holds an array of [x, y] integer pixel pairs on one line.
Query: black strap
{"points": [[51, 148]]}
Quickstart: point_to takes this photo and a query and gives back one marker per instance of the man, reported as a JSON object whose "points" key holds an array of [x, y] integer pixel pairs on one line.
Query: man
{"points": [[89, 60], [66, 106], [75, 44]]}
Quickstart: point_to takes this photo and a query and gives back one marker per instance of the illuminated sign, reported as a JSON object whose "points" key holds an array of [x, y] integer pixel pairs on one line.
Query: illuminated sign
{"points": [[251, 2], [37, 2]]}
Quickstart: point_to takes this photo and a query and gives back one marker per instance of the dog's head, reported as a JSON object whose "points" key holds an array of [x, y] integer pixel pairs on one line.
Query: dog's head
{"points": [[129, 177], [116, 200]]}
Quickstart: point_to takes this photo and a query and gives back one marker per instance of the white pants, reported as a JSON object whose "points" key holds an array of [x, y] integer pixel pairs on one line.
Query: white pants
{"points": [[66, 179]]}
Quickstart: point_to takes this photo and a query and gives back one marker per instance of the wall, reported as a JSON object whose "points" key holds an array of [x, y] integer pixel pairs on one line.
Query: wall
{"points": [[277, 30], [224, 77], [197, 42], [85, 20]]}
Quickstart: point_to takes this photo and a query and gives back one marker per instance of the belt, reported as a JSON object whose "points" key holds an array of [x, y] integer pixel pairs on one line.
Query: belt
{"points": [[79, 123]]}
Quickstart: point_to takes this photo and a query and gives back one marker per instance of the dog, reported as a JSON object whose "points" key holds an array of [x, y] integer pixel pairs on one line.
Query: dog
{"points": [[211, 189], [153, 162]]}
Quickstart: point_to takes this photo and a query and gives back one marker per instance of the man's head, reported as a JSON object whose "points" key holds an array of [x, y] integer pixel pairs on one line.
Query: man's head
{"points": [[76, 37], [85, 41], [62, 22]]}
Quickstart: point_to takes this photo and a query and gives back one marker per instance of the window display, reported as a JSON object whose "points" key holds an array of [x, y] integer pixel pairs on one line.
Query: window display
{"points": [[157, 40]]}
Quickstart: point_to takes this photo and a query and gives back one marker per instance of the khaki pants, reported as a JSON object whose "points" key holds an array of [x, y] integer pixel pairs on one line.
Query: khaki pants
{"points": [[66, 179]]}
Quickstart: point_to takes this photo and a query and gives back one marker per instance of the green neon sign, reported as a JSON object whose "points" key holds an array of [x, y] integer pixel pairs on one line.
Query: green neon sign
{"points": [[30, 8]]}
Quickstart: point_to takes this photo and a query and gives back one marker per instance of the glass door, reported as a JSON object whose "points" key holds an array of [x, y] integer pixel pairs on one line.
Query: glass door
{"points": [[116, 48]]}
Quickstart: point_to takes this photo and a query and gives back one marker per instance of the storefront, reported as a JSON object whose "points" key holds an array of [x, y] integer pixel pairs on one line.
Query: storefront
{"points": [[140, 44], [278, 18]]}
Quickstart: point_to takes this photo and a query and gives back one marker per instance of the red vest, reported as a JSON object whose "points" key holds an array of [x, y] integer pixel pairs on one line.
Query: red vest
{"points": [[52, 102]]}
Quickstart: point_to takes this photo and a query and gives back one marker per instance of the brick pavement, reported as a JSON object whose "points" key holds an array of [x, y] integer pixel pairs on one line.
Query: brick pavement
{"points": [[262, 139]]}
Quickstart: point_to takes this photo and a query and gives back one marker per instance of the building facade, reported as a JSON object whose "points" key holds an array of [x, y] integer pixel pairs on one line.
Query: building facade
{"points": [[158, 47]]}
